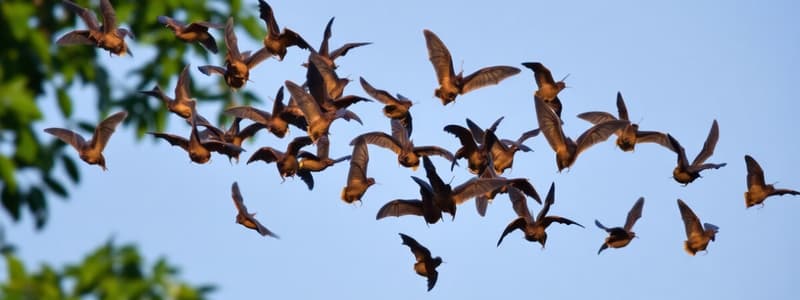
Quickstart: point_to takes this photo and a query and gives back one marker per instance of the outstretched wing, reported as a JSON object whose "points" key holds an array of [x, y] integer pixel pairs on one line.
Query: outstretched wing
{"points": [[781, 192], [436, 182], [548, 201], [209, 69], [690, 220], [305, 176], [525, 136], [433, 275], [597, 117], [267, 154], [104, 130], [634, 214], [550, 219], [171, 23], [598, 133], [342, 51], [299, 142], [250, 221], [708, 146], [222, 147], [434, 150], [326, 36], [68, 136], [87, 16], [419, 251], [173, 139], [440, 58], [109, 17], [182, 87], [400, 134], [238, 201], [380, 95], [550, 125], [518, 223], [307, 104], [294, 39], [601, 226], [379, 139], [622, 110], [75, 37], [358, 164], [324, 147], [400, 207], [321, 76], [654, 137], [520, 204], [475, 187], [524, 186], [477, 132], [231, 42], [266, 14], [257, 57], [540, 73], [755, 175], [250, 113], [464, 136], [683, 162], [487, 76]]}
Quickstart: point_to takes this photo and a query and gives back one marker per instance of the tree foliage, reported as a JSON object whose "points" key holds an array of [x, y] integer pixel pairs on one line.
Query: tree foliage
{"points": [[109, 272], [33, 69]]}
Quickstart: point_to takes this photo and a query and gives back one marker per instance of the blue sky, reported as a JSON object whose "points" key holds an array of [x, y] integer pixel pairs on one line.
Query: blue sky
{"points": [[679, 65]]}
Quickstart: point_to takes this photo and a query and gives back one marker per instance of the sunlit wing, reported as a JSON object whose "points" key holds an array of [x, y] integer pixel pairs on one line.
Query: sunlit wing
{"points": [[487, 76], [109, 17], [598, 133], [550, 125], [597, 117], [654, 137], [87, 16], [540, 73], [68, 136], [439, 57], [380, 139], [690, 221], [104, 130], [475, 187], [708, 146]]}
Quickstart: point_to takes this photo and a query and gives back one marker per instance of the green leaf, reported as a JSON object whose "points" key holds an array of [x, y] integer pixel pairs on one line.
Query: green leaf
{"points": [[64, 103], [48, 284], [7, 168], [71, 168], [27, 148], [55, 186], [38, 206], [253, 28], [18, 107], [11, 201], [16, 271], [86, 126], [18, 15]]}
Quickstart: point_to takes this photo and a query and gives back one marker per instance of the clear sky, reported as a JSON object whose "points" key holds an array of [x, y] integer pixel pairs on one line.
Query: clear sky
{"points": [[679, 65]]}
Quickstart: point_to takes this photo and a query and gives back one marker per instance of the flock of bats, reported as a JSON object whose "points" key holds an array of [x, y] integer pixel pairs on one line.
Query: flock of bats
{"points": [[314, 105]]}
